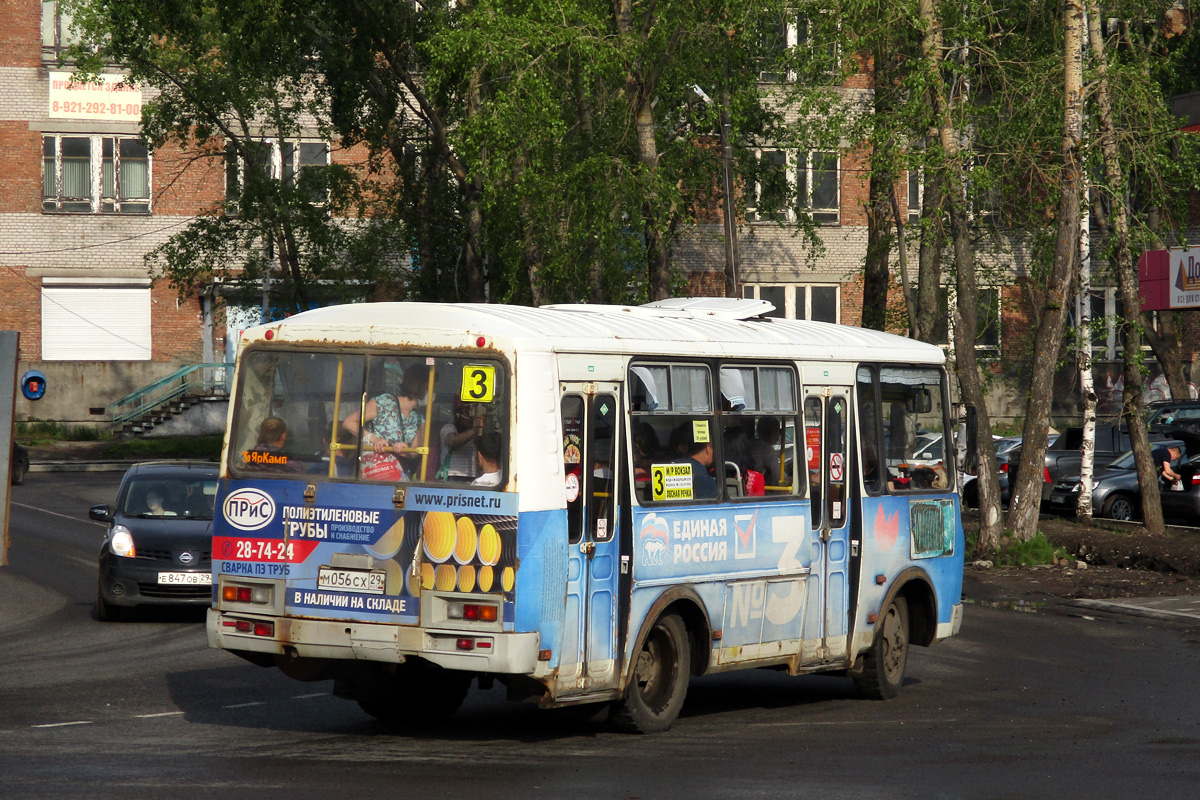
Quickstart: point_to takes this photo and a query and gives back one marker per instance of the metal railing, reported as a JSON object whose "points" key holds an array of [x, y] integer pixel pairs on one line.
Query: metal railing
{"points": [[198, 379]]}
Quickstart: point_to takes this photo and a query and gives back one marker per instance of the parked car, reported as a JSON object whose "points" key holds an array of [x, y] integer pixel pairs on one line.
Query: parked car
{"points": [[19, 466], [158, 546], [1063, 458], [1117, 494], [1004, 445], [1175, 414]]}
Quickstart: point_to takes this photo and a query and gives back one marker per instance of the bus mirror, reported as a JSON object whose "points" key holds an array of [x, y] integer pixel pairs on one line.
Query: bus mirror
{"points": [[919, 401]]}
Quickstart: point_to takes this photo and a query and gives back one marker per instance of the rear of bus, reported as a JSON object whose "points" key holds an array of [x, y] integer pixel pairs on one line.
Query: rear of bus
{"points": [[359, 536]]}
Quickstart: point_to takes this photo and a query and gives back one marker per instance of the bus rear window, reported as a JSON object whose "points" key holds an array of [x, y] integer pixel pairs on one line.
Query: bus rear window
{"points": [[383, 418]]}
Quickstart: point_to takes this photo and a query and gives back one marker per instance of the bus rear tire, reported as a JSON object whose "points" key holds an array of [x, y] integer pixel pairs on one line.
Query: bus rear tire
{"points": [[420, 696], [882, 670], [659, 680]]}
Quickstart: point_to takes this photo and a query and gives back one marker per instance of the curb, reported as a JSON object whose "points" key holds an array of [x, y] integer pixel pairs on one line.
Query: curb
{"points": [[113, 465]]}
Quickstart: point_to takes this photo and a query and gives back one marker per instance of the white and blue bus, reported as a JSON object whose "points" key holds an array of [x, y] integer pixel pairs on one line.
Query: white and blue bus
{"points": [[589, 504]]}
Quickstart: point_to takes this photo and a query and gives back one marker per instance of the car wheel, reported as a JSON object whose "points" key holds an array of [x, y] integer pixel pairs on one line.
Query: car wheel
{"points": [[105, 611], [1119, 506], [971, 494], [882, 670], [658, 684], [19, 469]]}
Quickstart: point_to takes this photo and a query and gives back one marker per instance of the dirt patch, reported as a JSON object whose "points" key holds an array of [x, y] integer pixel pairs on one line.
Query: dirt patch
{"points": [[1108, 560]]}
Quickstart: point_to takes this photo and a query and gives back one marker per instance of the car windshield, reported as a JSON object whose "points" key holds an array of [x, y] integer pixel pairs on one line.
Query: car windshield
{"points": [[170, 496]]}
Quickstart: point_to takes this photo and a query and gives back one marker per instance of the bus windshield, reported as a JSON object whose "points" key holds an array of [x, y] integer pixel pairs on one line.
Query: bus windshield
{"points": [[373, 417]]}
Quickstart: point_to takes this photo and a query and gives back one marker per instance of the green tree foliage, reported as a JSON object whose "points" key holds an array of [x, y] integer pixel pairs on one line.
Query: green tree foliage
{"points": [[518, 151]]}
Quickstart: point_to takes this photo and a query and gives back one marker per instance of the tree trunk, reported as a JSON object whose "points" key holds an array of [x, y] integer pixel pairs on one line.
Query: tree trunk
{"points": [[966, 325], [879, 246], [1165, 344], [1131, 408], [929, 262], [1027, 494], [1087, 389]]}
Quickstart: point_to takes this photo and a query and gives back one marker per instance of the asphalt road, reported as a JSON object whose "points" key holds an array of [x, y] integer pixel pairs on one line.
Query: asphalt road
{"points": [[1021, 705]]}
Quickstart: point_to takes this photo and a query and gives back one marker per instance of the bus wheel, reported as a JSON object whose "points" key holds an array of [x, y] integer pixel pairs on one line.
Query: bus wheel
{"points": [[882, 669], [659, 682], [420, 696]]}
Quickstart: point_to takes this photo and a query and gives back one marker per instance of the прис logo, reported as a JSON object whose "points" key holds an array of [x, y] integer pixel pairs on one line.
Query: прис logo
{"points": [[248, 509]]}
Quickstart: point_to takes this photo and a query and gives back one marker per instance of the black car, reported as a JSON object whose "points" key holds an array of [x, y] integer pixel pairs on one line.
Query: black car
{"points": [[19, 465], [158, 547]]}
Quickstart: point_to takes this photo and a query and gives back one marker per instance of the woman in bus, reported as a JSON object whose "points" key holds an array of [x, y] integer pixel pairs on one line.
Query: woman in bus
{"points": [[390, 421]]}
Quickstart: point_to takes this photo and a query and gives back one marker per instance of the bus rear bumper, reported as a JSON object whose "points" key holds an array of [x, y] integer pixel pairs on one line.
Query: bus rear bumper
{"points": [[340, 640]]}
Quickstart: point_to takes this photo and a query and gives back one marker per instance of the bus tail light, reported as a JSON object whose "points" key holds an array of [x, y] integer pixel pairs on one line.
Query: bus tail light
{"points": [[233, 593], [248, 626], [475, 612]]}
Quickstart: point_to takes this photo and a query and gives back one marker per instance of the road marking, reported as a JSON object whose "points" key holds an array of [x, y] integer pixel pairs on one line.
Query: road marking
{"points": [[160, 714], [307, 696], [63, 724], [56, 514], [246, 705]]}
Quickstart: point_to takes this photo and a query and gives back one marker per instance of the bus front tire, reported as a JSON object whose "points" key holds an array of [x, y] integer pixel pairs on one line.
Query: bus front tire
{"points": [[882, 670], [659, 681]]}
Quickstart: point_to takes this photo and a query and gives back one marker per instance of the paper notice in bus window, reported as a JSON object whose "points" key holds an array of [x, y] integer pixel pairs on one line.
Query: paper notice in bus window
{"points": [[671, 481], [700, 430]]}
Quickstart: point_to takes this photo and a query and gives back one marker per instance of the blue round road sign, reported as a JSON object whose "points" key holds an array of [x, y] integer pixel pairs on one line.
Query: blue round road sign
{"points": [[33, 385]]}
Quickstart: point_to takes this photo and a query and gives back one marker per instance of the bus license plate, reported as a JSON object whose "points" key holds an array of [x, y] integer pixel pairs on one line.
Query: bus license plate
{"points": [[351, 580], [186, 578]]}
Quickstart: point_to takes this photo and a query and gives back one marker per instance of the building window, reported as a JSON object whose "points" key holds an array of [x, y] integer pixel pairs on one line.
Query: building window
{"points": [[82, 322], [289, 161], [57, 31], [916, 195], [798, 47], [95, 174], [987, 337], [817, 302], [781, 175]]}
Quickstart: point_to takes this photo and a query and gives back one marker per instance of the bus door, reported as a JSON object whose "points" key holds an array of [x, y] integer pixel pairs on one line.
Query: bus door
{"points": [[826, 423], [591, 414]]}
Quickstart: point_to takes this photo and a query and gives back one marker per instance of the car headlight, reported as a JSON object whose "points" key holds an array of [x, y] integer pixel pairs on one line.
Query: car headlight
{"points": [[120, 541]]}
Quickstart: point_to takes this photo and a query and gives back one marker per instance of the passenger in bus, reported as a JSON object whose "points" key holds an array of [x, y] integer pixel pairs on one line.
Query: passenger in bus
{"points": [[391, 422], [268, 451], [487, 453], [458, 437], [761, 455], [700, 455]]}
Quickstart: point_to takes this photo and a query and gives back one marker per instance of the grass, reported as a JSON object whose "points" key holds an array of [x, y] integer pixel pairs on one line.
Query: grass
{"points": [[1035, 552], [38, 431], [205, 448]]}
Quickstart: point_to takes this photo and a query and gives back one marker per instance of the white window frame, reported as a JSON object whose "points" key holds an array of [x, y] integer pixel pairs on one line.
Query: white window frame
{"points": [[112, 327], [916, 186], [277, 161], [951, 306], [789, 211], [790, 310], [57, 33], [96, 199]]}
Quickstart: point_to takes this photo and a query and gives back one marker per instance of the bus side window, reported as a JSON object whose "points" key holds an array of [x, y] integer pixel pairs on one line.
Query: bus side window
{"points": [[572, 430]]}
